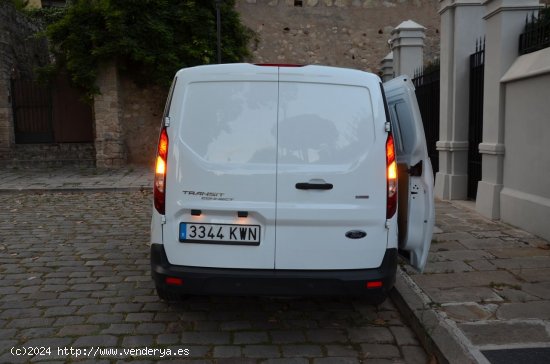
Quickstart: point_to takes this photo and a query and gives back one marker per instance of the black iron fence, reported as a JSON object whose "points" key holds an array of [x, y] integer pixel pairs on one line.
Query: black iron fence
{"points": [[536, 35], [426, 82], [475, 115]]}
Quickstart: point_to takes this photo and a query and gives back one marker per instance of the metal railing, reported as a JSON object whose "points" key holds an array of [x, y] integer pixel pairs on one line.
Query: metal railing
{"points": [[536, 35], [426, 83], [475, 115]]}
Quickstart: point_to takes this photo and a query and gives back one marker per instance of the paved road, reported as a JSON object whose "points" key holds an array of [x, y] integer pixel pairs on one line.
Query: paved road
{"points": [[74, 274]]}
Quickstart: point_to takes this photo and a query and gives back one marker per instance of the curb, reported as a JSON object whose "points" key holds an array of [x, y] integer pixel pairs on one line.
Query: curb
{"points": [[435, 334]]}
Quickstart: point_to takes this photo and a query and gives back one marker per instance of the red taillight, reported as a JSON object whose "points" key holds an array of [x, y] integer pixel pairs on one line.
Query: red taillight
{"points": [[391, 178], [173, 281], [374, 284], [160, 172]]}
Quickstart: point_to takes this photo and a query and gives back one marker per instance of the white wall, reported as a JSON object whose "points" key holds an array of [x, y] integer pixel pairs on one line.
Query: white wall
{"points": [[525, 197]]}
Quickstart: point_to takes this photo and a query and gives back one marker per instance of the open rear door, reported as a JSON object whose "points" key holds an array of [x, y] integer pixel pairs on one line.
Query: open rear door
{"points": [[416, 214]]}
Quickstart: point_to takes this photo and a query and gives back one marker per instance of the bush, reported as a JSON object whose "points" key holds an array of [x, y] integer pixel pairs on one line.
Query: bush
{"points": [[150, 39]]}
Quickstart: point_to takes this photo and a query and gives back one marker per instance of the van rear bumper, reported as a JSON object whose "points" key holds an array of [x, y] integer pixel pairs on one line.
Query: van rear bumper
{"points": [[269, 282]]}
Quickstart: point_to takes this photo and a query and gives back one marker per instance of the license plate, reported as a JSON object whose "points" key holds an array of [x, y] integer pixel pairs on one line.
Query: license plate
{"points": [[219, 233]]}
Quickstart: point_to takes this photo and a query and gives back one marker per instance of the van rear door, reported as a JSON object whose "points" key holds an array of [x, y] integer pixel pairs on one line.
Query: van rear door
{"points": [[331, 200], [221, 170], [416, 214]]}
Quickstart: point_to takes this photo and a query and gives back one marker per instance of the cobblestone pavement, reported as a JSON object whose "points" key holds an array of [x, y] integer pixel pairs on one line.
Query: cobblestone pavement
{"points": [[75, 274], [490, 283], [75, 178]]}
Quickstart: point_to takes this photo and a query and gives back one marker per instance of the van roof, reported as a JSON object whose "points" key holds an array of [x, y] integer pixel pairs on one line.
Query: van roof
{"points": [[246, 68]]}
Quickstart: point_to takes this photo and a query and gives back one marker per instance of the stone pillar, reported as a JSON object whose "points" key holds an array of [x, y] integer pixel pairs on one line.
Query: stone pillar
{"points": [[407, 42], [109, 136], [386, 67], [505, 20], [461, 25]]}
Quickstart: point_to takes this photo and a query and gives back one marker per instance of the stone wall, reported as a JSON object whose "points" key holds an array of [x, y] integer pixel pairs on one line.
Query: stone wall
{"points": [[142, 109], [127, 120], [346, 33], [20, 53], [337, 33], [109, 131]]}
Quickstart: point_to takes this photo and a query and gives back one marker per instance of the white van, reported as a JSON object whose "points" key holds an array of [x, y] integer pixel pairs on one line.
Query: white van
{"points": [[282, 180]]}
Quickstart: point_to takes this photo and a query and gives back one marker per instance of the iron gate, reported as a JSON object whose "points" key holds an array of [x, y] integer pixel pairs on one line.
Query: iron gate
{"points": [[32, 112], [426, 83], [475, 115], [54, 113]]}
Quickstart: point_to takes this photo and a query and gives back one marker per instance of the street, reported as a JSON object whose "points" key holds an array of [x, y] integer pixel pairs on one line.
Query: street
{"points": [[75, 275]]}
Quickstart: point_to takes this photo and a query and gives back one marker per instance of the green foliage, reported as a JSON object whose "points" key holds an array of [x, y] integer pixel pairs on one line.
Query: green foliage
{"points": [[542, 19], [46, 16], [18, 4], [150, 39]]}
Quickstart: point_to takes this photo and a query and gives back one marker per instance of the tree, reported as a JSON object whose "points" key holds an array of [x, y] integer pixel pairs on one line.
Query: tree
{"points": [[149, 39]]}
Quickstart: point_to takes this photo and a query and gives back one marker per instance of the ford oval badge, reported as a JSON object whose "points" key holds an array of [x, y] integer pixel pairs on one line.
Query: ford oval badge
{"points": [[356, 234]]}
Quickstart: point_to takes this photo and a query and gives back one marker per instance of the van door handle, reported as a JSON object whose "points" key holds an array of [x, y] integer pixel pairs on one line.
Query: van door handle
{"points": [[314, 186]]}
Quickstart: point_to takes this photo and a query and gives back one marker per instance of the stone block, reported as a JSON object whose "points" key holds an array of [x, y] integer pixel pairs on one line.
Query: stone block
{"points": [[463, 255], [524, 310], [482, 265], [466, 279], [326, 336], [206, 338], [251, 337], [463, 294], [467, 312], [227, 352], [489, 243], [504, 333], [378, 335], [520, 252], [308, 351], [287, 337], [541, 290], [96, 340], [48, 342], [375, 351], [438, 246], [461, 235], [341, 351], [516, 295], [414, 354], [523, 263], [261, 351], [533, 275], [336, 360], [137, 341], [403, 335], [78, 330], [447, 267]]}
